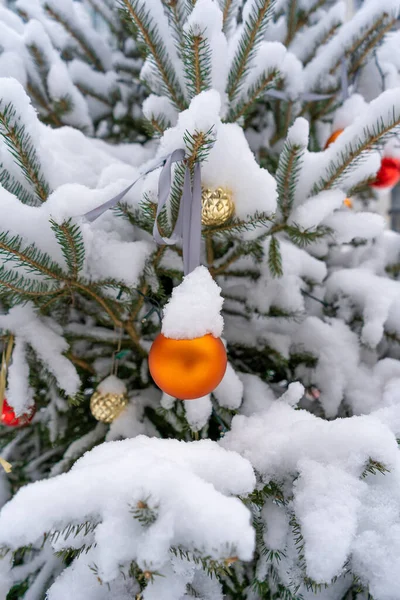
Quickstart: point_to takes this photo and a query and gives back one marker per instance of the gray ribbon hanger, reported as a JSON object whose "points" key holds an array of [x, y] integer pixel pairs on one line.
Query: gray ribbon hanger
{"points": [[188, 225], [344, 80], [307, 97], [94, 214]]}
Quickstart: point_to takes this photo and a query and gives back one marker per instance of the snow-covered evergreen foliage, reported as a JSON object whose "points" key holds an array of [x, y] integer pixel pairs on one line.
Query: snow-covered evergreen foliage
{"points": [[284, 483], [74, 73]]}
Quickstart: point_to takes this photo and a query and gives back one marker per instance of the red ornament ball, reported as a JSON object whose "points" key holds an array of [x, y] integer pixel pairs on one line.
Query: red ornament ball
{"points": [[389, 173], [9, 418], [187, 369]]}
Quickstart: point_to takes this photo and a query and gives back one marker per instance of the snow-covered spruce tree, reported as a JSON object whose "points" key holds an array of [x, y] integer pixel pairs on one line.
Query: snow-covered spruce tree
{"points": [[284, 483], [74, 74]]}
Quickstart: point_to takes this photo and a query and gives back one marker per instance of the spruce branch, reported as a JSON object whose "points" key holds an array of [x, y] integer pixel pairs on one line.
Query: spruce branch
{"points": [[373, 43], [302, 237], [22, 149], [71, 530], [156, 125], [373, 467], [303, 17], [88, 51], [354, 153], [211, 566], [43, 103], [253, 33], [176, 17], [69, 237], [29, 258], [17, 289], [145, 514], [237, 226], [145, 30], [196, 56], [367, 41], [228, 8], [86, 90], [275, 258], [321, 41], [287, 175], [106, 15], [9, 183], [291, 22], [40, 94], [264, 82]]}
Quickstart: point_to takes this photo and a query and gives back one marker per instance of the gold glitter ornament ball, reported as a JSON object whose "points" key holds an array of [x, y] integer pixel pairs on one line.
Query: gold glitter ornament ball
{"points": [[217, 206], [109, 400]]}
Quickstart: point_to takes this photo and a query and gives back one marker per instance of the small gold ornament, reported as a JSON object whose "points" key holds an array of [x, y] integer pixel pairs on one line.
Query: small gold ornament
{"points": [[217, 206], [109, 400]]}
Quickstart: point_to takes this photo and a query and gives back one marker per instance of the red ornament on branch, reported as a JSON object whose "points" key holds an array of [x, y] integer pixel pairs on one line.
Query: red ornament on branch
{"points": [[389, 173], [9, 418]]}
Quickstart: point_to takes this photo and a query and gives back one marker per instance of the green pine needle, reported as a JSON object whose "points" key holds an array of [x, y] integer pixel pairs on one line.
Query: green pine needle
{"points": [[275, 258], [69, 237], [22, 148], [254, 29], [196, 56]]}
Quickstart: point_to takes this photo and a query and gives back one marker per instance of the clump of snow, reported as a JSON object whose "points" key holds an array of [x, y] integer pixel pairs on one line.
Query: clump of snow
{"points": [[336, 349], [332, 504], [206, 20], [44, 336], [229, 392], [349, 226], [19, 393], [194, 308], [376, 297], [293, 394], [230, 163], [159, 106], [112, 385], [298, 133], [188, 485], [198, 412], [316, 209], [270, 57], [349, 111], [286, 291]]}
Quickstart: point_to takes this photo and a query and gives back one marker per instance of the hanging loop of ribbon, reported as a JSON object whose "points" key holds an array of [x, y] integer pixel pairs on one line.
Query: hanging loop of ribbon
{"points": [[188, 224]]}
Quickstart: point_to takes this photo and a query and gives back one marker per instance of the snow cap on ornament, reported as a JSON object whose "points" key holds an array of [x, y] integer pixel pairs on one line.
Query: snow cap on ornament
{"points": [[194, 308], [188, 359]]}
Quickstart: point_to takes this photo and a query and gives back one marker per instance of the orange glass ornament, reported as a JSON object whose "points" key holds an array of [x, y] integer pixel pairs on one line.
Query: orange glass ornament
{"points": [[333, 137], [348, 202], [187, 369]]}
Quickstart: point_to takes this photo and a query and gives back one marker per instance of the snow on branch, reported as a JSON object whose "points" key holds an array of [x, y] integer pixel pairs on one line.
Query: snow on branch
{"points": [[19, 132], [346, 159], [257, 14], [354, 40], [150, 26], [45, 339], [152, 496], [334, 467], [92, 47]]}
